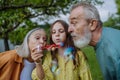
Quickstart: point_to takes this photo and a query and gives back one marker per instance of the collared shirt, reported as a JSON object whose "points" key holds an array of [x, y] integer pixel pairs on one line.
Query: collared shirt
{"points": [[108, 53]]}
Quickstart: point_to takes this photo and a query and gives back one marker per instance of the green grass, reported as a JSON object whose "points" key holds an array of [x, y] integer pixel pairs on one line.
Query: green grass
{"points": [[94, 66]]}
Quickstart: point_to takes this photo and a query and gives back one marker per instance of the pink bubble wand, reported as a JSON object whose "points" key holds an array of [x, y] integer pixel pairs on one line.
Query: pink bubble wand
{"points": [[52, 46]]}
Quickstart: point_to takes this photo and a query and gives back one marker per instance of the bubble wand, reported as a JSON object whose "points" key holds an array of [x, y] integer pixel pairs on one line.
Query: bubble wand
{"points": [[46, 47]]}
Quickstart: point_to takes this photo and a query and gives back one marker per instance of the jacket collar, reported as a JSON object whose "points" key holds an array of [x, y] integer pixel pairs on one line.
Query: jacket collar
{"points": [[18, 58]]}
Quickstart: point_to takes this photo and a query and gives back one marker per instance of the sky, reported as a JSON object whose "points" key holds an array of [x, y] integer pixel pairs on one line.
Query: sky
{"points": [[108, 8], [105, 10]]}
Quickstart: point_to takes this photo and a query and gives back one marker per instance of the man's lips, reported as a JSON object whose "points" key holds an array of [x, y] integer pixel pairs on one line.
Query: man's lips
{"points": [[73, 36]]}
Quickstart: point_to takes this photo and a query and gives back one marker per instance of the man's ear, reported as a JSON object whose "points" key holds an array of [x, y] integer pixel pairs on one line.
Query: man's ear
{"points": [[93, 24]]}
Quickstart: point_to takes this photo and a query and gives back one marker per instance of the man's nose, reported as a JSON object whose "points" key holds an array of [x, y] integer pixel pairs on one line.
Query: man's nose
{"points": [[70, 29]]}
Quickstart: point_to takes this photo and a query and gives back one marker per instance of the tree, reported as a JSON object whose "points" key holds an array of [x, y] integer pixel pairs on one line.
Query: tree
{"points": [[22, 31], [15, 14]]}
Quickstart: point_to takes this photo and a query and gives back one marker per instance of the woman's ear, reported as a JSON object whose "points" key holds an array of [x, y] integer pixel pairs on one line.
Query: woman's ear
{"points": [[93, 24]]}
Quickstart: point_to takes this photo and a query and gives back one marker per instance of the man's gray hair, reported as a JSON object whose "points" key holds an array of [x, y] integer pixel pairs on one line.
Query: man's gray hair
{"points": [[23, 50], [91, 11]]}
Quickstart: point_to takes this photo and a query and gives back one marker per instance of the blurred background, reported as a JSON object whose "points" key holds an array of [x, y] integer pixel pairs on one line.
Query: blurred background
{"points": [[17, 17]]}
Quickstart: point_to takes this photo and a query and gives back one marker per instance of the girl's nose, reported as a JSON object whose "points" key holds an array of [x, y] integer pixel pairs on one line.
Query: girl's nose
{"points": [[57, 34]]}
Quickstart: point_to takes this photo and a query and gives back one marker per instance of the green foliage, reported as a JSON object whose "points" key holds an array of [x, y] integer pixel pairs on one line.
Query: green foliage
{"points": [[9, 21], [118, 6], [113, 22], [17, 36], [93, 63], [16, 15]]}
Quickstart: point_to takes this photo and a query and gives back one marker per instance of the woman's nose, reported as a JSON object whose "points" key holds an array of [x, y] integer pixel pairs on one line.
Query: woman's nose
{"points": [[41, 41]]}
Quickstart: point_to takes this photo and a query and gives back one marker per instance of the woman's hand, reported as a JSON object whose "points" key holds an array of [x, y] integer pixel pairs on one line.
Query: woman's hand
{"points": [[37, 54]]}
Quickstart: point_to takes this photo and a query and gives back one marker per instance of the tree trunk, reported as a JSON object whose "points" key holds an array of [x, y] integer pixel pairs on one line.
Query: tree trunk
{"points": [[6, 42]]}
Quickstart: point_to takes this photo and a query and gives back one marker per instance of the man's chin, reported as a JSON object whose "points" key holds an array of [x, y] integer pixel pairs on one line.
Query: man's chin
{"points": [[81, 44]]}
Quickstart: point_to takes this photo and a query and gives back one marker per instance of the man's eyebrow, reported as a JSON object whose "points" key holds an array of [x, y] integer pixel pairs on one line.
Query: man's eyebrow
{"points": [[73, 18]]}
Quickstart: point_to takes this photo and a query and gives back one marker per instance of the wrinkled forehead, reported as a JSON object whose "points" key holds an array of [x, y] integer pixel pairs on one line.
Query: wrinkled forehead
{"points": [[76, 13]]}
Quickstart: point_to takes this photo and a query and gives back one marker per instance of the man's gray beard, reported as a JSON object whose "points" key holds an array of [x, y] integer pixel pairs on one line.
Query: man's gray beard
{"points": [[83, 41]]}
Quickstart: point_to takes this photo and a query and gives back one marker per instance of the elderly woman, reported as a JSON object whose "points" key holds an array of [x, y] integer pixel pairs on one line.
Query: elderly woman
{"points": [[18, 64]]}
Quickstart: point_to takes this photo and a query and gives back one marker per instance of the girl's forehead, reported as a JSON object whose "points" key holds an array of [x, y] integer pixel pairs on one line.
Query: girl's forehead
{"points": [[57, 25]]}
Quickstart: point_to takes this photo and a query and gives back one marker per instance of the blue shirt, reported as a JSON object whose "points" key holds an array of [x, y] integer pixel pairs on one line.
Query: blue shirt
{"points": [[108, 53]]}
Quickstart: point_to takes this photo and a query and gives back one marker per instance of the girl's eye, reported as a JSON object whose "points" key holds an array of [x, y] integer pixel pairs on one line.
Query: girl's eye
{"points": [[61, 30]]}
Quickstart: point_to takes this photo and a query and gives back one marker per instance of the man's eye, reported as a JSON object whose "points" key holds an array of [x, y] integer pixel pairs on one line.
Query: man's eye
{"points": [[74, 23]]}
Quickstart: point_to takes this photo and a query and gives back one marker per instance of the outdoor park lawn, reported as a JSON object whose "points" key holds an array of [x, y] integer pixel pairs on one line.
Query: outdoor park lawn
{"points": [[94, 66]]}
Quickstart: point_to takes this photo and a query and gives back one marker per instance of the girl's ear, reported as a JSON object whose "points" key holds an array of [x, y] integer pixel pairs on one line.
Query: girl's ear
{"points": [[93, 24]]}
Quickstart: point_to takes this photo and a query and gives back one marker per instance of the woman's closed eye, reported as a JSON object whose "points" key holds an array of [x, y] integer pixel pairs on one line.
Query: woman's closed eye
{"points": [[53, 32], [37, 37]]}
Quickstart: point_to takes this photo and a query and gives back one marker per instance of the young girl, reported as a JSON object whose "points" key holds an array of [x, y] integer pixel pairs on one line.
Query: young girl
{"points": [[65, 62]]}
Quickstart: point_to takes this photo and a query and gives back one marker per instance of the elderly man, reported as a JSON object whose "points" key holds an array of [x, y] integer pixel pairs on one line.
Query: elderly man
{"points": [[86, 28]]}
